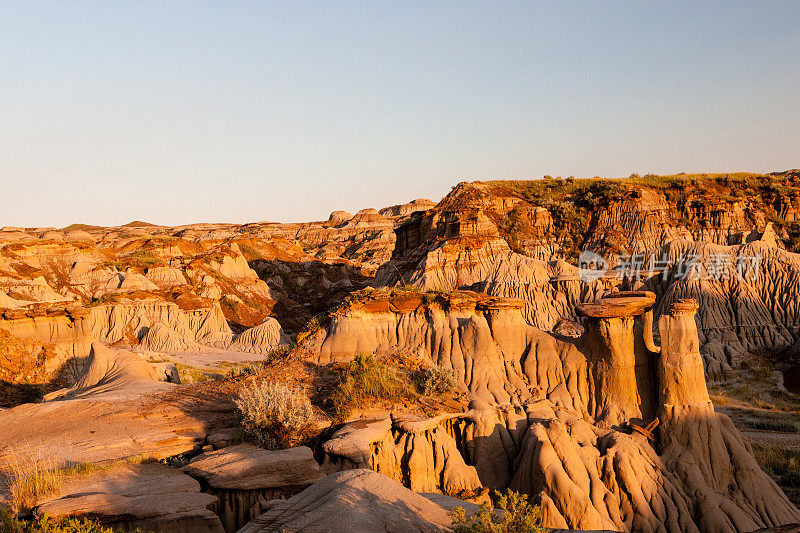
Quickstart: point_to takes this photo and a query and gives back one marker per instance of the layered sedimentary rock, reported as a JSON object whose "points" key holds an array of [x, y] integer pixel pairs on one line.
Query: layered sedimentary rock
{"points": [[161, 338], [261, 339], [492, 237], [244, 478], [745, 292], [695, 472], [458, 244], [421, 454], [599, 423], [472, 334], [702, 447], [115, 373], [48, 344], [617, 340], [129, 321], [40, 342], [308, 266], [507, 239]]}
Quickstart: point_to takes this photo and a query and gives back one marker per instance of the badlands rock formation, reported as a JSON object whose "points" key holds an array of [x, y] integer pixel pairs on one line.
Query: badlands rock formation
{"points": [[262, 338], [749, 308], [421, 454], [584, 389], [608, 431], [511, 238], [507, 239], [244, 478], [61, 291]]}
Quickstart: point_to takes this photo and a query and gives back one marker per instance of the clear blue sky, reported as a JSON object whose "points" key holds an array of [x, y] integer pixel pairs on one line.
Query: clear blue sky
{"points": [[177, 112]]}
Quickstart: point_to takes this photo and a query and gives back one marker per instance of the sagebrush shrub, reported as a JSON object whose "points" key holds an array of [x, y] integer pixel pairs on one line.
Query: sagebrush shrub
{"points": [[437, 380], [274, 414], [279, 353]]}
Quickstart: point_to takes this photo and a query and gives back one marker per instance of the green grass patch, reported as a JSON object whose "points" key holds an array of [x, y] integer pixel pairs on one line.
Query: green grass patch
{"points": [[783, 465], [781, 426], [367, 381], [190, 374], [140, 260], [29, 480]]}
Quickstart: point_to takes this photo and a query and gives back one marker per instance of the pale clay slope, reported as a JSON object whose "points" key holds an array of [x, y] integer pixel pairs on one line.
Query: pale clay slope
{"points": [[119, 409], [736, 314], [153, 326], [353, 500], [151, 497]]}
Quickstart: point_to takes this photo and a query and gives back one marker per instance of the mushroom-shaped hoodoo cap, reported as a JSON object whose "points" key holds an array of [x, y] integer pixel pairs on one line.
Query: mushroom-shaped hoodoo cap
{"points": [[619, 304]]}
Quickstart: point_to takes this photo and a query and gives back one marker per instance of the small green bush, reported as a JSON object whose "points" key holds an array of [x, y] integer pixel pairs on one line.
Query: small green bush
{"points": [[8, 524], [246, 369], [273, 414], [512, 228], [516, 516], [793, 237], [279, 353]]}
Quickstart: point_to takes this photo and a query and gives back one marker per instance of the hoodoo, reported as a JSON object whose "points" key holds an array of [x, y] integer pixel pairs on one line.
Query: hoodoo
{"points": [[620, 356]]}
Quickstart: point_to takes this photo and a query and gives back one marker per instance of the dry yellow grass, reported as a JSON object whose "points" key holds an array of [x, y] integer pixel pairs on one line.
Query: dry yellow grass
{"points": [[30, 479]]}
